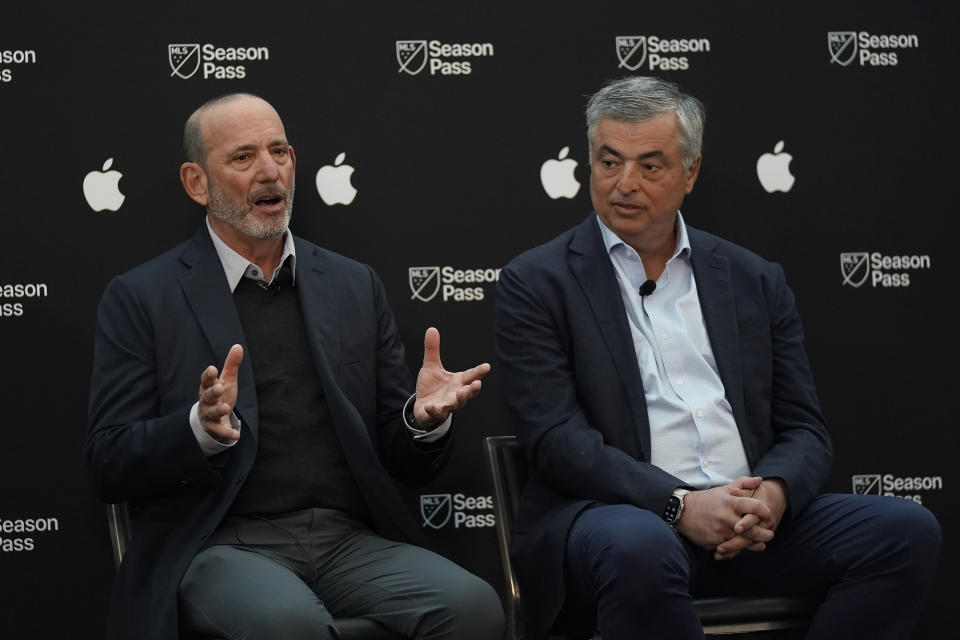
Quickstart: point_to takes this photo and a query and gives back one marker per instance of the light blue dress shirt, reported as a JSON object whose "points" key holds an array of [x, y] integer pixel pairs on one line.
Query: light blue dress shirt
{"points": [[692, 431]]}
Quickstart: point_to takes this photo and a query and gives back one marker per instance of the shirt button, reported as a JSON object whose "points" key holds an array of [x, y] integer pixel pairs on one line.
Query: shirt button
{"points": [[699, 414], [680, 382], [664, 336], [706, 464]]}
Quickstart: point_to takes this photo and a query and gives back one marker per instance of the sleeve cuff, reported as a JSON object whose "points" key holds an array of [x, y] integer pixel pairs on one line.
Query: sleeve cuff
{"points": [[209, 444], [419, 435]]}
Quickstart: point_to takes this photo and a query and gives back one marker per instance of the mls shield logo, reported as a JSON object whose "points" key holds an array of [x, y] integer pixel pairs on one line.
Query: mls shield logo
{"points": [[412, 55], [184, 59], [631, 51], [867, 485], [854, 268], [843, 46], [424, 283], [435, 509]]}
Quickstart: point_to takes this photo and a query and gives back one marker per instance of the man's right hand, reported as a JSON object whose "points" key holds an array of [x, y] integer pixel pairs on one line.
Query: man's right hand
{"points": [[218, 396], [709, 517]]}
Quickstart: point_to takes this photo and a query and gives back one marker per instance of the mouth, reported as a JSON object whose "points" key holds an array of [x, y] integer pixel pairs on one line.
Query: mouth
{"points": [[270, 202], [627, 208]]}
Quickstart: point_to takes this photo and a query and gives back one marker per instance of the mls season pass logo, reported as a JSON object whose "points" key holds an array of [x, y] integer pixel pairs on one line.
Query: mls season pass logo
{"points": [[12, 530], [19, 291], [885, 271], [436, 509], [875, 484], [185, 60], [440, 57], [871, 50], [427, 282], [657, 52], [14, 56]]}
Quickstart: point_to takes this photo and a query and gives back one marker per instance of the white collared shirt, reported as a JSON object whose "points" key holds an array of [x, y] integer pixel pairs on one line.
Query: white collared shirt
{"points": [[693, 435]]}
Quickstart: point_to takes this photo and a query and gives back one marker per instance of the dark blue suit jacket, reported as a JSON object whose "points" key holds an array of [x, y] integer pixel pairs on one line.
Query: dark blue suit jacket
{"points": [[574, 389], [159, 326]]}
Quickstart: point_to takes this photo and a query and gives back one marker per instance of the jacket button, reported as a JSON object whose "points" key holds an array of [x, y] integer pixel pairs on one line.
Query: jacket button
{"points": [[240, 478]]}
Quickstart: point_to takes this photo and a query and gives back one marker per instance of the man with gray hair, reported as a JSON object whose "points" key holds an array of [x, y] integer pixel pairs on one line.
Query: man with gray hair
{"points": [[661, 392]]}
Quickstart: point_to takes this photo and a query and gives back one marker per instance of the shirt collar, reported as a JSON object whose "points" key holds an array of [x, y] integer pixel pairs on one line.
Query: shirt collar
{"points": [[611, 240], [236, 266]]}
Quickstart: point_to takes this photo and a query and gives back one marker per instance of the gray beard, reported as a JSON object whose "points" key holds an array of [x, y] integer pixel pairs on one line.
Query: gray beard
{"points": [[238, 216]]}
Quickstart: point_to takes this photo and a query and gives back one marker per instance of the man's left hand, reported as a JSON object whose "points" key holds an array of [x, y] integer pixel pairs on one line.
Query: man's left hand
{"points": [[439, 392], [772, 492]]}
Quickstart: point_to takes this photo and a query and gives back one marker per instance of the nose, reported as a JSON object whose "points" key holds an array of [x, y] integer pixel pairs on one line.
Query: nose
{"points": [[629, 180], [267, 169]]}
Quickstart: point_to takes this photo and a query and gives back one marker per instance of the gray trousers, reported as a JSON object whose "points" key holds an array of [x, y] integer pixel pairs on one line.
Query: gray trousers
{"points": [[287, 577]]}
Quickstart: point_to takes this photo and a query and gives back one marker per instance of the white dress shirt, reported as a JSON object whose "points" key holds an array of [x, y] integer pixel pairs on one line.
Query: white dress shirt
{"points": [[693, 435]]}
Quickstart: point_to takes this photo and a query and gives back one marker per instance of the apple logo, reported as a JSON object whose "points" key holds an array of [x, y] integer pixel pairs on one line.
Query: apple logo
{"points": [[557, 176], [333, 182], [101, 190], [773, 170]]}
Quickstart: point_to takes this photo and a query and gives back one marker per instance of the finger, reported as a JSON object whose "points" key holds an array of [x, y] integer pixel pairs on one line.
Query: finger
{"points": [[758, 534], [232, 364], [431, 348], [211, 395], [751, 505], [222, 429], [464, 394], [730, 548], [208, 377], [476, 373], [747, 482], [748, 521]]}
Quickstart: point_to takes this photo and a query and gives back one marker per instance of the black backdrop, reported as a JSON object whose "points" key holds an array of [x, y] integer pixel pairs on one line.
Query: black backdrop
{"points": [[447, 172]]}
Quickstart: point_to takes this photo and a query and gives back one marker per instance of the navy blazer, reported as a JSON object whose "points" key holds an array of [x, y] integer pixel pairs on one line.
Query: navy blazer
{"points": [[573, 386], [159, 326]]}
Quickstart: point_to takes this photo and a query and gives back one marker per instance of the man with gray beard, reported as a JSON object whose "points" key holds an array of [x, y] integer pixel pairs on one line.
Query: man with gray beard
{"points": [[262, 503]]}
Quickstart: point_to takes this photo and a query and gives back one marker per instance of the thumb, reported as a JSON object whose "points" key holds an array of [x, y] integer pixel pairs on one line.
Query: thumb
{"points": [[232, 364], [431, 348]]}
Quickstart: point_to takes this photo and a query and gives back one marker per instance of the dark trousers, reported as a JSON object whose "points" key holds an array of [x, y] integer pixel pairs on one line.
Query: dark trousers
{"points": [[871, 558], [287, 577]]}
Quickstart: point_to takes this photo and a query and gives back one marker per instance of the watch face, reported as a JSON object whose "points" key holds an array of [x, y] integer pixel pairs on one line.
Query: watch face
{"points": [[673, 507]]}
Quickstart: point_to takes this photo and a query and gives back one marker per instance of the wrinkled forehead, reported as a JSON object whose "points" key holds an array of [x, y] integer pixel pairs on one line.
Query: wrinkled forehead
{"points": [[243, 121]]}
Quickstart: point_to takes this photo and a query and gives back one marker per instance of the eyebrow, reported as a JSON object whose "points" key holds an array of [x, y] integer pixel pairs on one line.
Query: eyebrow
{"points": [[643, 156], [279, 142]]}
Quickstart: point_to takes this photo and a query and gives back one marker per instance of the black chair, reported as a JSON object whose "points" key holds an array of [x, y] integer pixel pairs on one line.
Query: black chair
{"points": [[719, 616], [350, 628]]}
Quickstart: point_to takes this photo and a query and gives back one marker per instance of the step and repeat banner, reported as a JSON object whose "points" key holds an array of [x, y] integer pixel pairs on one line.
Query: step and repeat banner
{"points": [[435, 141]]}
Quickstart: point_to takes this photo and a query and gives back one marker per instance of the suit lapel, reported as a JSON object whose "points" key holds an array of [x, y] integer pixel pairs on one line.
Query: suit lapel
{"points": [[598, 281], [205, 286], [322, 314], [715, 290], [323, 306]]}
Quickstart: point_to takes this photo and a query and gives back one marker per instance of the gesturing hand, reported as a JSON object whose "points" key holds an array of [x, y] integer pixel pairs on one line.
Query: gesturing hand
{"points": [[440, 391], [218, 396]]}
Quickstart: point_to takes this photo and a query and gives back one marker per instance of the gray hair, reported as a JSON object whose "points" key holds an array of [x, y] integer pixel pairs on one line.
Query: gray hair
{"points": [[194, 146], [642, 98]]}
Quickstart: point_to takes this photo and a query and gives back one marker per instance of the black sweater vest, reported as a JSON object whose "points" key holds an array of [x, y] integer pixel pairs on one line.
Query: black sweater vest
{"points": [[300, 463]]}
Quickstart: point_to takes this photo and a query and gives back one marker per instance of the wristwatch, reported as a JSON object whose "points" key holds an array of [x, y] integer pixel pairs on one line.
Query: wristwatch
{"points": [[671, 514]]}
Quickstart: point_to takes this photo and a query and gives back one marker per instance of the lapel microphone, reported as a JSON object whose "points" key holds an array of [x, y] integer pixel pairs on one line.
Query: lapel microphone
{"points": [[647, 288]]}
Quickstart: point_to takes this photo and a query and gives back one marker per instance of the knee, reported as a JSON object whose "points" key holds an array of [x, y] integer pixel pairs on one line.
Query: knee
{"points": [[467, 610], [292, 623], [635, 550], [914, 528]]}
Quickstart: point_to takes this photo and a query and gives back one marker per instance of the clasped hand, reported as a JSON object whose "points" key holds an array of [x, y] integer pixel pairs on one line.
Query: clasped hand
{"points": [[737, 516]]}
